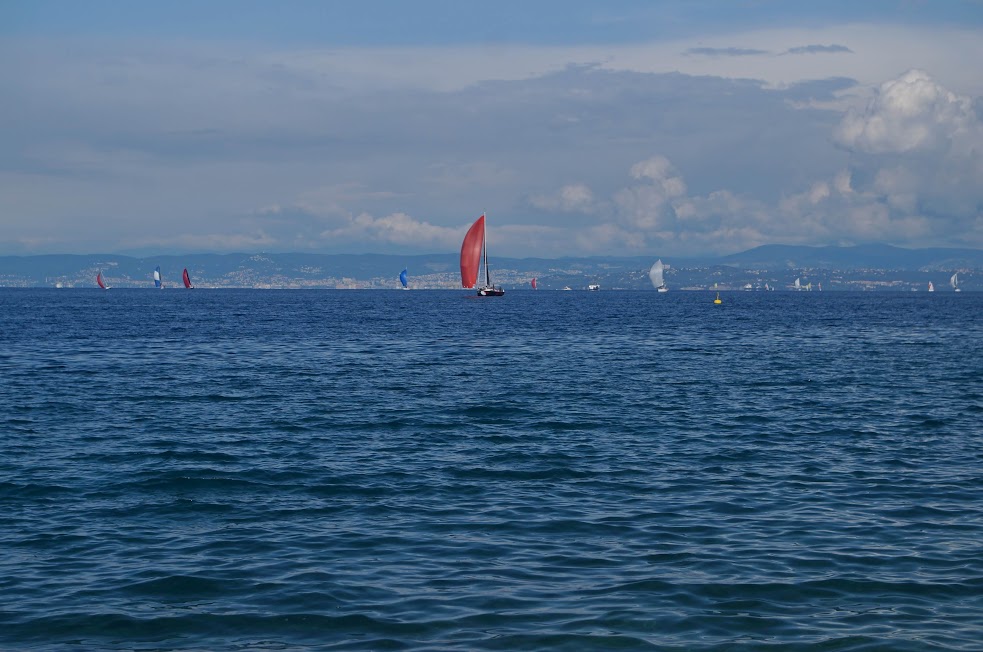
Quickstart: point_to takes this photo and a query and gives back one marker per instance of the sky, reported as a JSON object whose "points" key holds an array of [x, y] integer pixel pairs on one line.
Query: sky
{"points": [[580, 128]]}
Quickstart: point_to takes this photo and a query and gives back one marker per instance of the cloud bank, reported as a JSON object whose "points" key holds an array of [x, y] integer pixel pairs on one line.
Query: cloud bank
{"points": [[677, 148]]}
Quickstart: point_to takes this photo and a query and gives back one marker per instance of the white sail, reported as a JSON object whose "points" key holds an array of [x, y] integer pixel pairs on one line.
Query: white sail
{"points": [[798, 284], [655, 275], [931, 288], [954, 281]]}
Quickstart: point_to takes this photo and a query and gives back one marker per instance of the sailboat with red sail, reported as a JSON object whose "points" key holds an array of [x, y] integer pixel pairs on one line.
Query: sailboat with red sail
{"points": [[533, 283], [187, 280], [473, 253], [101, 281]]}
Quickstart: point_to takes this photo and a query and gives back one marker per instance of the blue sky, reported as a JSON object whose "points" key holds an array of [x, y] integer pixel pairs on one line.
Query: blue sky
{"points": [[582, 128]]}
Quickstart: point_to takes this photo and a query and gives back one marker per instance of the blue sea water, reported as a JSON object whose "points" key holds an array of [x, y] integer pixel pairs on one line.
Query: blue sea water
{"points": [[307, 470]]}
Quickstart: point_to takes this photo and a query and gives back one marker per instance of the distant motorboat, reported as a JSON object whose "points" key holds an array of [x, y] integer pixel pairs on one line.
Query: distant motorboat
{"points": [[593, 287], [567, 288], [656, 276]]}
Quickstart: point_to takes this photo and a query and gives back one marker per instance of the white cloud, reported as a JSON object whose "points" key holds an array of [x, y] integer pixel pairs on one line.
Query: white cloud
{"points": [[571, 198], [648, 206], [398, 229], [912, 112]]}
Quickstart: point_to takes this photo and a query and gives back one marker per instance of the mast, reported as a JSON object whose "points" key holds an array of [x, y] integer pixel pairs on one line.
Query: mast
{"points": [[484, 249]]}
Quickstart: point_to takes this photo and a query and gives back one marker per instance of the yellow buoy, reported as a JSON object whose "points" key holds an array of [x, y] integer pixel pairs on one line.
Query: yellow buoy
{"points": [[717, 300]]}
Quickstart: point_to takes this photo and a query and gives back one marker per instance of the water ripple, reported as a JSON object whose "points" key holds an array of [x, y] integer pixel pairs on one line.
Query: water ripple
{"points": [[360, 471]]}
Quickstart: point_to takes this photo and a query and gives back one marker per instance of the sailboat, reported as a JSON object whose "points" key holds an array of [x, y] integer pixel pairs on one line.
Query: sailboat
{"points": [[533, 283], [157, 280], [655, 275], [931, 288], [798, 284], [187, 279], [403, 279], [954, 282], [473, 252], [101, 282]]}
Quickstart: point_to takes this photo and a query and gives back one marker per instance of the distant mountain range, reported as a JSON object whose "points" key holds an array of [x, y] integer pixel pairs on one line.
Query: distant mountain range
{"points": [[773, 264], [872, 256]]}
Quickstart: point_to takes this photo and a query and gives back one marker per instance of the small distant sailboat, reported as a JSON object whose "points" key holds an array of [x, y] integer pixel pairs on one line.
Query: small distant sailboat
{"points": [[931, 288], [655, 275], [533, 283], [101, 282], [404, 280], [717, 300], [158, 283], [473, 251], [954, 282], [797, 285], [187, 279]]}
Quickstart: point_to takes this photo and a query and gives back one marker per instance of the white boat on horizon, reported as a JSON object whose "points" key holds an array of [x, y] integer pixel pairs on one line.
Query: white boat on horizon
{"points": [[656, 276]]}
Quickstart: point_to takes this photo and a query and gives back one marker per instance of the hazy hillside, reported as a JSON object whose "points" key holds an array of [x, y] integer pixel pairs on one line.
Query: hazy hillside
{"points": [[862, 267]]}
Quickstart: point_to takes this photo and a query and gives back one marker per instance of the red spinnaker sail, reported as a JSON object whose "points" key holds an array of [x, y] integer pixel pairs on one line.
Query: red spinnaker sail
{"points": [[533, 282], [99, 281], [187, 279], [471, 253]]}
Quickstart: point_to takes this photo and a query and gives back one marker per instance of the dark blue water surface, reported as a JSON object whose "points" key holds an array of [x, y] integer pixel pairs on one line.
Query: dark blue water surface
{"points": [[293, 470]]}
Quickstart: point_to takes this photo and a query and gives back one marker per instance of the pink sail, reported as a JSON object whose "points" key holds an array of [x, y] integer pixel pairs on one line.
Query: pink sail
{"points": [[187, 279], [533, 282], [471, 253], [99, 281]]}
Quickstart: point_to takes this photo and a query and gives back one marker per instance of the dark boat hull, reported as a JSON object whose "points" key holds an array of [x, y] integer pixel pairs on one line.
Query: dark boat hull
{"points": [[491, 292]]}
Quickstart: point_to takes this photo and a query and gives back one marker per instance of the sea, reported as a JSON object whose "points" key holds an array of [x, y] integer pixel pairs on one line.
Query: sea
{"points": [[427, 470]]}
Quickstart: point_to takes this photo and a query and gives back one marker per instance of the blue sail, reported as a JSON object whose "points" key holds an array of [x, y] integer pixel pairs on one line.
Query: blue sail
{"points": [[157, 277], [402, 278]]}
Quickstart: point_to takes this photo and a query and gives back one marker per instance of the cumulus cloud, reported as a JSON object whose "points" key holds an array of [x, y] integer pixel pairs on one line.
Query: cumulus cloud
{"points": [[572, 198], [912, 112], [917, 153], [649, 205], [397, 228]]}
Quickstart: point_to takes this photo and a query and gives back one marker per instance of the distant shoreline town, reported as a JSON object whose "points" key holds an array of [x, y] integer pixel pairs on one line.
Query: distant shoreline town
{"points": [[767, 268]]}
